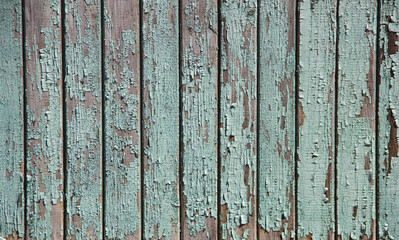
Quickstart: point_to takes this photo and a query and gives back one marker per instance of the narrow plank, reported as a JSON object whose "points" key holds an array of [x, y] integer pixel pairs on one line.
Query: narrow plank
{"points": [[83, 119], [122, 119], [316, 154], [161, 119], [44, 119], [356, 119], [388, 122], [199, 117], [11, 122], [238, 86], [277, 119]]}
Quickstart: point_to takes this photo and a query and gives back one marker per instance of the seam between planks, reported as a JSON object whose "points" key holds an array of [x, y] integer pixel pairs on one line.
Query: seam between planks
{"points": [[141, 103], [25, 126], [103, 170], [296, 94], [336, 140], [377, 103], [180, 135], [257, 115], [219, 67]]}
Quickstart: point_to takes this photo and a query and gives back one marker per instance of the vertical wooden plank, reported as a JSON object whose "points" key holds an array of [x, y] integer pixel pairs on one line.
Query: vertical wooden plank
{"points": [[356, 119], [161, 118], [388, 122], [83, 118], [199, 117], [122, 119], [277, 120], [11, 122], [44, 119], [238, 88], [316, 189]]}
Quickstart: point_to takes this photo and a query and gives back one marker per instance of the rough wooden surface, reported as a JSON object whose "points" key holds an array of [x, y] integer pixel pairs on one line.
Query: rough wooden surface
{"points": [[11, 122], [199, 117], [277, 119], [316, 110], [388, 122], [44, 119], [122, 119], [238, 85], [161, 119], [356, 119], [83, 118]]}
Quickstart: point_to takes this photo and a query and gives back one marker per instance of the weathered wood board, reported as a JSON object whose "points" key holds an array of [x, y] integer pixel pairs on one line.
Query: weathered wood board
{"points": [[199, 79], [44, 111], [122, 119], [12, 198], [199, 119], [276, 119], [316, 119], [83, 97], [388, 122], [356, 158]]}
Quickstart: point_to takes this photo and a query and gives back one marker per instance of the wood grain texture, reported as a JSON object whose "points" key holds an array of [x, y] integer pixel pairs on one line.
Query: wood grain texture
{"points": [[83, 119], [277, 119], [238, 86], [44, 119], [356, 119], [199, 118], [161, 119], [388, 110], [11, 122], [316, 117], [122, 119]]}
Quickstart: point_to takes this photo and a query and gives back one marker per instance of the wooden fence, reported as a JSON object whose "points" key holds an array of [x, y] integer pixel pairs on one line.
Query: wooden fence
{"points": [[199, 119]]}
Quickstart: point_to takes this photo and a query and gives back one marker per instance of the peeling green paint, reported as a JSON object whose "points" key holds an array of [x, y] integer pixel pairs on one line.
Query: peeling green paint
{"points": [[276, 119], [11, 122], [122, 119], [83, 120], [44, 120], [388, 155], [238, 88], [199, 118], [356, 123], [161, 118], [316, 189]]}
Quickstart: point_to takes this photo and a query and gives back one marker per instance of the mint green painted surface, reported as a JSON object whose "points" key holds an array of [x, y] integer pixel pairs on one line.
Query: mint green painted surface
{"points": [[44, 119], [122, 119], [388, 143], [199, 118], [238, 85], [11, 121], [161, 119], [83, 119], [316, 147], [276, 119], [356, 119]]}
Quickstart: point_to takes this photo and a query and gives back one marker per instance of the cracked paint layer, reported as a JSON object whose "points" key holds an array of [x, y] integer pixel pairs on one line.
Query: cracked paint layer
{"points": [[122, 119], [388, 155], [199, 118], [44, 119], [356, 119], [238, 86], [161, 119], [11, 122], [83, 118], [316, 191], [276, 119]]}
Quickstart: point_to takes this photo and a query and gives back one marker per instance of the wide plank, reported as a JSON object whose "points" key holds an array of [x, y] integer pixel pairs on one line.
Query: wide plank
{"points": [[44, 111], [83, 119], [122, 119], [316, 119], [199, 117], [238, 106], [277, 119], [12, 202], [388, 122], [356, 119], [160, 32]]}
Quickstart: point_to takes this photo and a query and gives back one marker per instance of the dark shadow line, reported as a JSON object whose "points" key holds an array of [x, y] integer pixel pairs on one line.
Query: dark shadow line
{"points": [[103, 79], [296, 156], [141, 100], [181, 163], [257, 116], [218, 124], [377, 106], [336, 137]]}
